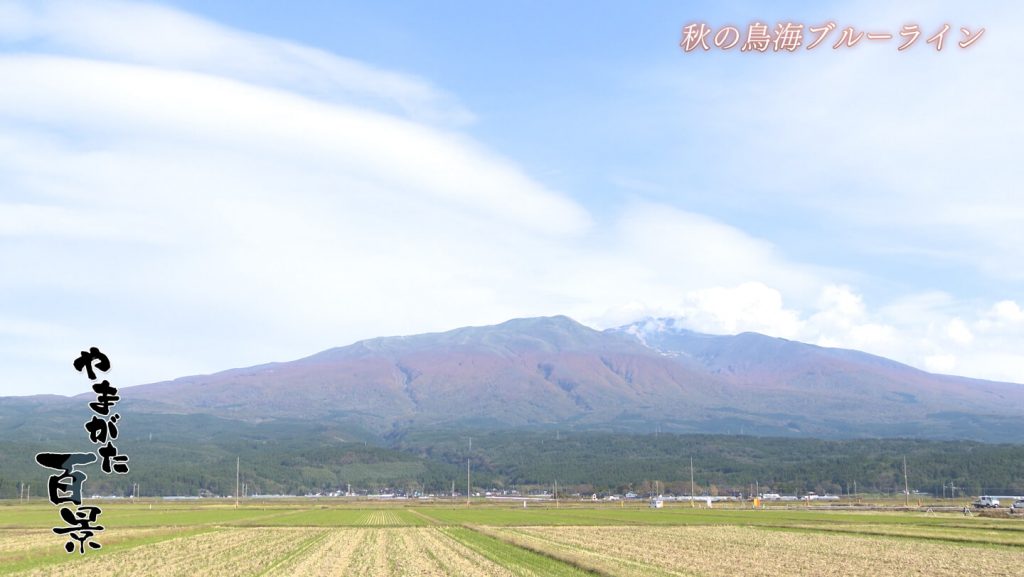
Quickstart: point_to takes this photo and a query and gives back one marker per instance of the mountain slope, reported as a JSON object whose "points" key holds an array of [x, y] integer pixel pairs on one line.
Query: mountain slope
{"points": [[777, 369], [526, 372]]}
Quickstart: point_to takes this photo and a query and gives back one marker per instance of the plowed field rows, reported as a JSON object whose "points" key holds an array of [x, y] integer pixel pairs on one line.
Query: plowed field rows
{"points": [[754, 551], [439, 541]]}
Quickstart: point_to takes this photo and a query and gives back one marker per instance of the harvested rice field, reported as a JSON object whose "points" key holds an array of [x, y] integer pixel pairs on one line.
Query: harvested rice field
{"points": [[215, 540]]}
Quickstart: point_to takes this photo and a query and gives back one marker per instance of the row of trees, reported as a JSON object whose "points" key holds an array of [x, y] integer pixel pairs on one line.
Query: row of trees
{"points": [[584, 462], [729, 464]]}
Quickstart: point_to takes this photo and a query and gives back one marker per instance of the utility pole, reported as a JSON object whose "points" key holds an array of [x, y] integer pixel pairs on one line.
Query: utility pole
{"points": [[556, 493], [468, 493], [238, 469], [692, 505], [906, 487]]}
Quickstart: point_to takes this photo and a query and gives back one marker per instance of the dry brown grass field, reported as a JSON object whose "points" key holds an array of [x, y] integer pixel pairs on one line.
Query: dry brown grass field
{"points": [[214, 539]]}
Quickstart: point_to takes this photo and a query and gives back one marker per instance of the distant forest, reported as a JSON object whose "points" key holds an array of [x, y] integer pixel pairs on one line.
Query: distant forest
{"points": [[198, 458], [726, 464]]}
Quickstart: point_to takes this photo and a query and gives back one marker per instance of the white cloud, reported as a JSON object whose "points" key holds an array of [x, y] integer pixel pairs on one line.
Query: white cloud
{"points": [[157, 36], [150, 107], [1008, 311], [942, 364], [957, 330], [839, 307], [751, 306], [747, 307], [690, 251], [930, 331]]}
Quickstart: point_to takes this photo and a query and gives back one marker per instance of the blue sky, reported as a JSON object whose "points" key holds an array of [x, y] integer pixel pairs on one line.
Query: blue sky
{"points": [[195, 186]]}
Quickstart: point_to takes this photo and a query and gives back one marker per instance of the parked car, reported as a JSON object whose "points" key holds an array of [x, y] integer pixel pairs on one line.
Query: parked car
{"points": [[1018, 505], [984, 502]]}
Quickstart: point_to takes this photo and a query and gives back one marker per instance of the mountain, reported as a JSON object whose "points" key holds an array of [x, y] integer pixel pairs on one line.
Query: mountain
{"points": [[556, 373]]}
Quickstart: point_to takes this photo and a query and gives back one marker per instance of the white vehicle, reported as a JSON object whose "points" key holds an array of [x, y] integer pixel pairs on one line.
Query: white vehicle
{"points": [[1018, 504], [984, 502]]}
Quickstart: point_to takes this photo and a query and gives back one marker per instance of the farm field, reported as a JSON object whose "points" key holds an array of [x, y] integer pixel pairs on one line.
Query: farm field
{"points": [[299, 537]]}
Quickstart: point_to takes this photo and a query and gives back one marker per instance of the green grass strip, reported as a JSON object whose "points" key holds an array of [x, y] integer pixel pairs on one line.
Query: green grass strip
{"points": [[431, 521], [952, 539], [515, 558], [57, 555], [595, 561]]}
